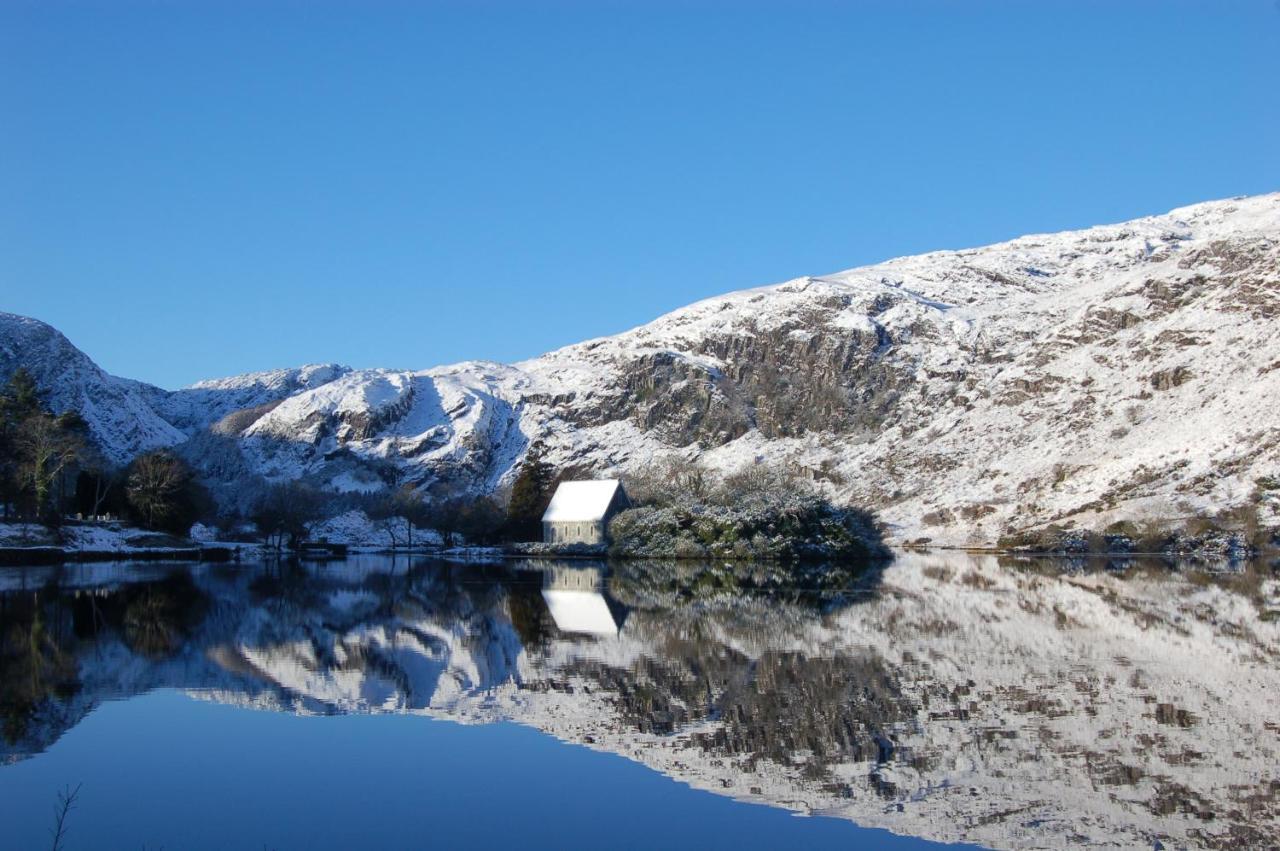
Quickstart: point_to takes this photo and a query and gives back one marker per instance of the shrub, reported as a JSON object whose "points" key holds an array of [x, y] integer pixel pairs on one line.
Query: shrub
{"points": [[763, 516]]}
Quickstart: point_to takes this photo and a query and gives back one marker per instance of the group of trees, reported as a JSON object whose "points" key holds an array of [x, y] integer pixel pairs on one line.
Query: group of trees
{"points": [[285, 513], [39, 453], [399, 512], [478, 520], [49, 468]]}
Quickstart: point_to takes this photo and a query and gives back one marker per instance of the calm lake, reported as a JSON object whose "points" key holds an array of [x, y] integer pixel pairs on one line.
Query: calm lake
{"points": [[413, 703]]}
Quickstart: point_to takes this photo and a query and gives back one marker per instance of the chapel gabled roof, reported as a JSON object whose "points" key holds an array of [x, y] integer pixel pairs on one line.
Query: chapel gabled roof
{"points": [[581, 501]]}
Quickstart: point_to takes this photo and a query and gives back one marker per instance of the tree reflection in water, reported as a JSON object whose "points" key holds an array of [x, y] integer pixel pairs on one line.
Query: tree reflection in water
{"points": [[948, 696]]}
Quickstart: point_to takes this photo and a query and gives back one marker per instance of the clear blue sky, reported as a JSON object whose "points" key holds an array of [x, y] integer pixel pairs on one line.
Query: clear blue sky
{"points": [[191, 189]]}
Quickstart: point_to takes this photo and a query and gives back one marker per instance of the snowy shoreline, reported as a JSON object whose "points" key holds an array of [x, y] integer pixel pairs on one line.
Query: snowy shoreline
{"points": [[238, 552], [353, 534]]}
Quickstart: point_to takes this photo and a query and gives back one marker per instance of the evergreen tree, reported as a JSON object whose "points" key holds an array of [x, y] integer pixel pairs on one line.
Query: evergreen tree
{"points": [[480, 521], [530, 495], [22, 394], [37, 450], [18, 401]]}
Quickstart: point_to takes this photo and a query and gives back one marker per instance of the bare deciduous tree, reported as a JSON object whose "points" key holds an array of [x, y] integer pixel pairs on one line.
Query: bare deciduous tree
{"points": [[155, 484], [48, 448], [286, 512], [398, 512]]}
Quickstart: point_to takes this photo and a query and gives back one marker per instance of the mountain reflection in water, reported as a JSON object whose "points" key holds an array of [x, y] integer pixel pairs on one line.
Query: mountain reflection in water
{"points": [[950, 697]]}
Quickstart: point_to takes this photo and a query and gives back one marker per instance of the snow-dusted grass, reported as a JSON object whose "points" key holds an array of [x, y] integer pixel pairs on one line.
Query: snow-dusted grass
{"points": [[98, 537], [94, 540]]}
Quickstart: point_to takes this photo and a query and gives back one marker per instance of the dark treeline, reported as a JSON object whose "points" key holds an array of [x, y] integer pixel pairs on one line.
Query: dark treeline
{"points": [[41, 453], [476, 519], [50, 470], [286, 514]]}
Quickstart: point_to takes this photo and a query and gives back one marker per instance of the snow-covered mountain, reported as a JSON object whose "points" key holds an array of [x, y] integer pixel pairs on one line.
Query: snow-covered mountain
{"points": [[1120, 372], [119, 411]]}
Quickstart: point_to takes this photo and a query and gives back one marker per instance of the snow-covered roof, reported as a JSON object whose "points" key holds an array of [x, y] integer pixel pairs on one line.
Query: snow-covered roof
{"points": [[582, 501]]}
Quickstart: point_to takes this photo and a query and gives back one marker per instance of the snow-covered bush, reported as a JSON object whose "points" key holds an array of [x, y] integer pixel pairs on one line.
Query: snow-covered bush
{"points": [[202, 533], [539, 548], [763, 515]]}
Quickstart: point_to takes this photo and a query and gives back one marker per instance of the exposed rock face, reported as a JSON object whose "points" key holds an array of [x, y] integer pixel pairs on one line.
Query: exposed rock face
{"points": [[1120, 372]]}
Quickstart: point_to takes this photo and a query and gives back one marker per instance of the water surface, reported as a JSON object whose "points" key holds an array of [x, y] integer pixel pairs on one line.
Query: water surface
{"points": [[409, 704]]}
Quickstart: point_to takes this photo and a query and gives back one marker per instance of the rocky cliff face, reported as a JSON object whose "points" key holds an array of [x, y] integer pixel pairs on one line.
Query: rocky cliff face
{"points": [[1120, 372]]}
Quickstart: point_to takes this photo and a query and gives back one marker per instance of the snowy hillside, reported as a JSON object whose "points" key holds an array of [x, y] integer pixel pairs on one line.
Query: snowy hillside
{"points": [[1121, 372], [119, 412], [208, 402]]}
